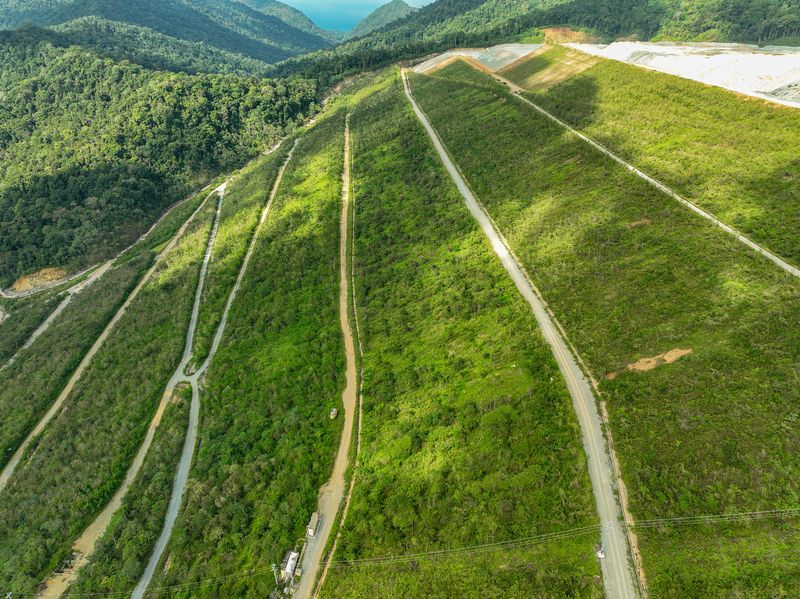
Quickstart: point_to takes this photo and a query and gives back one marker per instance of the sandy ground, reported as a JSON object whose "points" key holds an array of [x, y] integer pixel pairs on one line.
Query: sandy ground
{"points": [[494, 58], [180, 377], [648, 364], [618, 578], [332, 493], [760, 72]]}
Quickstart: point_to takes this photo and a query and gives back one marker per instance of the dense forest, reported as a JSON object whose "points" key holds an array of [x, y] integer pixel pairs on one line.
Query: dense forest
{"points": [[92, 149], [450, 23], [222, 24], [381, 17]]}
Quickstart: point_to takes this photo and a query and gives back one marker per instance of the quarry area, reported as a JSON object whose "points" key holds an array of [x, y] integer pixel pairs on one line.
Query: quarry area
{"points": [[771, 72]]}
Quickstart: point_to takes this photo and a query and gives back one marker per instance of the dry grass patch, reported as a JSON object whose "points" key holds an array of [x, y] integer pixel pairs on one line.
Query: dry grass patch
{"points": [[38, 279], [547, 67]]}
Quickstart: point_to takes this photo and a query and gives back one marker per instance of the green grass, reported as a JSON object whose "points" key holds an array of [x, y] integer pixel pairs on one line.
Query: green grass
{"points": [[24, 317], [121, 554], [266, 444], [76, 465], [469, 436], [735, 157], [30, 386], [631, 273], [244, 201]]}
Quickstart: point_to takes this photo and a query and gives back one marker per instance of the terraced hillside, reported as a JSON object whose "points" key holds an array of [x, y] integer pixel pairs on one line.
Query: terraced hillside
{"points": [[83, 454], [468, 433], [266, 443], [734, 157], [632, 274]]}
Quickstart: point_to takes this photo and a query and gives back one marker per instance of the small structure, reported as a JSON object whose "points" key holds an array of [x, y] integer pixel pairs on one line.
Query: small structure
{"points": [[334, 413], [289, 565], [313, 525]]}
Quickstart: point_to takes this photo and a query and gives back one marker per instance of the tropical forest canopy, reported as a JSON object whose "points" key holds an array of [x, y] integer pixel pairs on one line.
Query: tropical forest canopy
{"points": [[92, 150]]}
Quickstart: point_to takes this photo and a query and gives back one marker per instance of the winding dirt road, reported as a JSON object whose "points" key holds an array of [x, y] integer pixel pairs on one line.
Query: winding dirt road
{"points": [[5, 475], [332, 493], [190, 442], [618, 576], [58, 583]]}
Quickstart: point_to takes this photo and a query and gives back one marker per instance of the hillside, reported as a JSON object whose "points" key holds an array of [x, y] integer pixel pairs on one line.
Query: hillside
{"points": [[93, 149], [381, 17], [463, 23], [153, 50], [292, 16], [221, 24]]}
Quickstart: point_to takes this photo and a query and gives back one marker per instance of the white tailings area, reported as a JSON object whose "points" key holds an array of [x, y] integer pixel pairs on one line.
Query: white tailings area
{"points": [[771, 73], [494, 58]]}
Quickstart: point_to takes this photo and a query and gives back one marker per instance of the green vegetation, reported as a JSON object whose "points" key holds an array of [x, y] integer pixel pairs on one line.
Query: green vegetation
{"points": [[153, 50], [266, 443], [245, 199], [121, 554], [222, 24], [381, 17], [290, 15], [630, 273], [453, 23], [84, 453], [94, 150], [469, 435], [736, 158], [23, 318], [30, 386]]}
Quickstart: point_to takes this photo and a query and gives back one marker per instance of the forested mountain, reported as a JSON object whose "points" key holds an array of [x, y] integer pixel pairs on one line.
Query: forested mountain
{"points": [[225, 25], [292, 16], [451, 23], [91, 150], [153, 50], [381, 17]]}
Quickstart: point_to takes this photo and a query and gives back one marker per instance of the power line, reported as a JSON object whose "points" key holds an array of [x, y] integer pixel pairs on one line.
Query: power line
{"points": [[458, 552]]}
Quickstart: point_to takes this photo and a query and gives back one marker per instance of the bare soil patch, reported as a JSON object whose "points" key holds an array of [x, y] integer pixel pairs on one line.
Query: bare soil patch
{"points": [[647, 364], [3, 315], [38, 279], [565, 35]]}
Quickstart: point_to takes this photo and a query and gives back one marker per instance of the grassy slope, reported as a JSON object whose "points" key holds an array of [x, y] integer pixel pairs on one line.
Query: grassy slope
{"points": [[266, 444], [80, 459], [121, 554], [244, 201], [468, 434], [631, 273], [29, 387], [24, 317], [735, 157]]}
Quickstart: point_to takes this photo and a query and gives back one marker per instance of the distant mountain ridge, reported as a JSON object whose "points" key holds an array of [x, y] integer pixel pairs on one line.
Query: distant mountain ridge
{"points": [[225, 26], [381, 17]]}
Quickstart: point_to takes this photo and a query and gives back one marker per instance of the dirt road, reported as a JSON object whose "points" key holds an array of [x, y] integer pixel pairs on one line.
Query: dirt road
{"points": [[331, 495], [618, 576], [774, 258], [57, 584], [190, 442], [5, 475]]}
